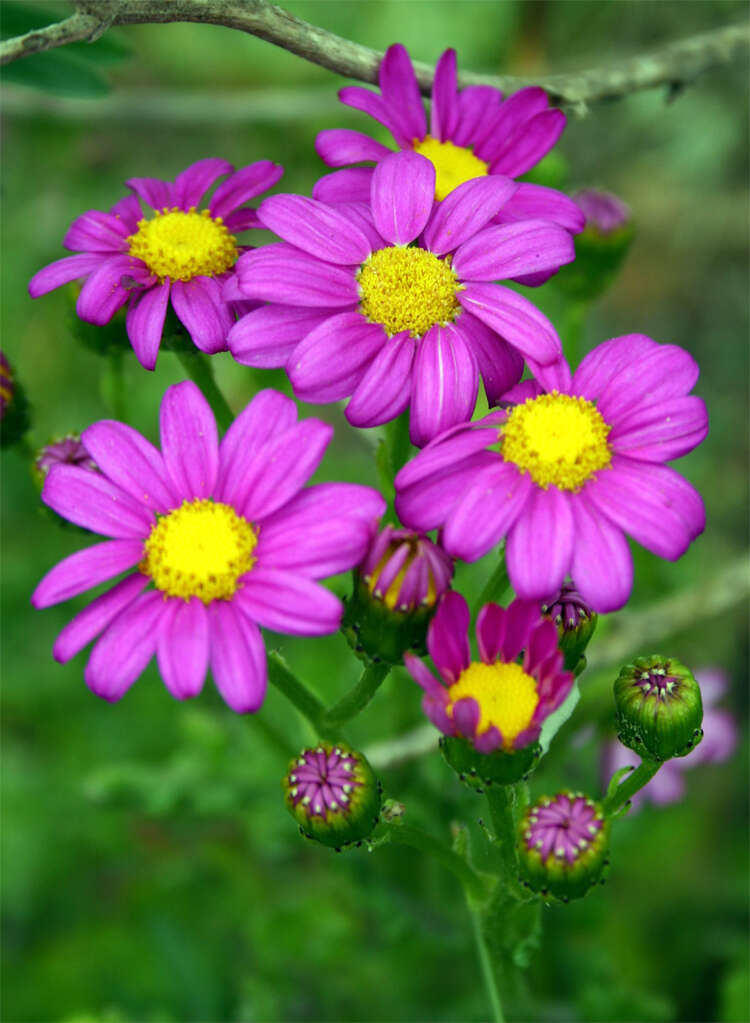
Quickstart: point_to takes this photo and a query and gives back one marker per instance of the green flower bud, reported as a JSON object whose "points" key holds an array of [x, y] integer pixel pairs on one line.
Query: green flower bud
{"points": [[333, 794], [479, 770], [659, 708], [562, 845], [575, 623]]}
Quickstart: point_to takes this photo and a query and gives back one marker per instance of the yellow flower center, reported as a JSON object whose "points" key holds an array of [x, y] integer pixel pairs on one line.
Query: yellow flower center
{"points": [[453, 164], [199, 550], [558, 439], [183, 245], [506, 695], [408, 289]]}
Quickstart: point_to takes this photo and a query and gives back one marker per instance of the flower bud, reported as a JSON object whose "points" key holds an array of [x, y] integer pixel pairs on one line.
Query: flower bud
{"points": [[575, 622], [659, 708], [14, 406], [67, 450], [396, 589], [333, 794], [480, 770], [600, 247], [562, 845]]}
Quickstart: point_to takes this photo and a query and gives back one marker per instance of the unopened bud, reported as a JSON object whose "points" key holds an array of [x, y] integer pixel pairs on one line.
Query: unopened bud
{"points": [[396, 589], [333, 794], [659, 708], [562, 845], [600, 247], [575, 622]]}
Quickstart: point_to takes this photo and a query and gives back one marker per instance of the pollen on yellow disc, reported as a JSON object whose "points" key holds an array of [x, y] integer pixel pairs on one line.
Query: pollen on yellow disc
{"points": [[408, 289], [453, 164], [558, 439], [182, 245], [507, 697], [199, 550]]}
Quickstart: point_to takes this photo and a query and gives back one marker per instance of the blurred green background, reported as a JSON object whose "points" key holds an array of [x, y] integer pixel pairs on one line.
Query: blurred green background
{"points": [[150, 871]]}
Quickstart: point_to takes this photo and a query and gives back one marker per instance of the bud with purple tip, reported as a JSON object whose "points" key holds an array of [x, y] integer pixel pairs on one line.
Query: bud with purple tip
{"points": [[333, 794], [659, 708], [396, 589], [562, 845], [575, 623]]}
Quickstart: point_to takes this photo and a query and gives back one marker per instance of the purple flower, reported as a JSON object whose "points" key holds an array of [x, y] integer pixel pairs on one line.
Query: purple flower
{"points": [[604, 212], [178, 253], [573, 465], [473, 133], [68, 450], [406, 570], [718, 744], [358, 310], [494, 702], [224, 531]]}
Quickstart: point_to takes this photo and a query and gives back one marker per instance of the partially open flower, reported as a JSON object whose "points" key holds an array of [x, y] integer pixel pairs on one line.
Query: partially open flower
{"points": [[659, 708], [562, 845], [67, 450], [396, 589], [575, 622], [333, 794], [495, 706]]}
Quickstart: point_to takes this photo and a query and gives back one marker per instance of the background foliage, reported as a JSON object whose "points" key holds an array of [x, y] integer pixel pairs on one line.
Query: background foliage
{"points": [[150, 870]]}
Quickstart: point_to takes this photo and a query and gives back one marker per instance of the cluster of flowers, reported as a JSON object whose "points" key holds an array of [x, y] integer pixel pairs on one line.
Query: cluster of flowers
{"points": [[385, 290]]}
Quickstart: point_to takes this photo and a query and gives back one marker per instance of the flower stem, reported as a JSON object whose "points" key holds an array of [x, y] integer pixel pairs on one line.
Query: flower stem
{"points": [[478, 887], [495, 586], [397, 439], [198, 368], [488, 974], [359, 695], [641, 776], [573, 324], [306, 702]]}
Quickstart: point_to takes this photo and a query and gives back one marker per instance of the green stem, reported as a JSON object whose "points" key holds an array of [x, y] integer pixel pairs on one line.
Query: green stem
{"points": [[641, 776], [397, 439], [496, 585], [502, 800], [359, 695], [488, 974], [198, 368], [306, 702], [113, 384], [573, 324], [476, 886]]}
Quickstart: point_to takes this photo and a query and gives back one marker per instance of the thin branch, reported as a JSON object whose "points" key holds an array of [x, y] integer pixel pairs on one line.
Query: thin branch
{"points": [[675, 65]]}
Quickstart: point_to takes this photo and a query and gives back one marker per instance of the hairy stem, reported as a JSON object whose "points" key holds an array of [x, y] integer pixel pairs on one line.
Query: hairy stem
{"points": [[641, 776], [306, 702], [485, 963]]}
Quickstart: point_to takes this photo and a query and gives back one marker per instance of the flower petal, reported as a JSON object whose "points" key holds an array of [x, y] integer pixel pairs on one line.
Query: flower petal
{"points": [[529, 143], [403, 191], [516, 320], [315, 227], [237, 657], [266, 337], [540, 544], [466, 210], [84, 569], [401, 94], [384, 391], [448, 636], [508, 118], [553, 376], [182, 649], [314, 548], [536, 202], [477, 105], [145, 322], [424, 677], [243, 185], [491, 622], [265, 417], [666, 372], [428, 503], [126, 647], [157, 193], [282, 273], [466, 716], [324, 500], [329, 363], [95, 231], [445, 383], [661, 432], [289, 603], [605, 361], [602, 565], [203, 312], [189, 441], [522, 616], [444, 107], [374, 105], [192, 184], [62, 271], [506, 251], [500, 364], [350, 185], [339, 146], [485, 511], [103, 292], [92, 501], [97, 616], [131, 462]]}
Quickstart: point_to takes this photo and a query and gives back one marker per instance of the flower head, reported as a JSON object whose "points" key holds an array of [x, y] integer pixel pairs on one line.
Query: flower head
{"points": [[659, 707], [495, 702], [718, 744], [473, 133], [357, 309], [175, 253], [567, 469], [216, 538]]}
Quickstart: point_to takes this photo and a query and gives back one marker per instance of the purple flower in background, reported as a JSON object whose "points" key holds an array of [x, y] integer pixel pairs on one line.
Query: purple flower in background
{"points": [[224, 531], [177, 253], [718, 744], [494, 702], [573, 464], [473, 133], [359, 310], [604, 212]]}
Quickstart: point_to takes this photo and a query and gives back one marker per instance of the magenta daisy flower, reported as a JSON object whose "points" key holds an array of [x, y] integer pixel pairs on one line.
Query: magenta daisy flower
{"points": [[573, 465], [217, 538], [175, 253], [495, 702], [359, 310], [473, 132]]}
